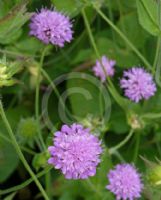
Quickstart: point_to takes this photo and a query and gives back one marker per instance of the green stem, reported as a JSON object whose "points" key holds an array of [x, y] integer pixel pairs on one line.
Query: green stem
{"points": [[19, 152], [118, 98], [112, 89], [157, 54], [124, 38], [151, 116], [122, 143], [48, 183], [158, 48], [90, 34], [27, 150], [24, 184], [45, 74], [37, 96], [136, 150], [119, 156]]}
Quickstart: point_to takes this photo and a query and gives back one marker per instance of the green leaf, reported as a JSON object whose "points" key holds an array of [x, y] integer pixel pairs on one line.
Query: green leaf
{"points": [[32, 47], [67, 196], [103, 169], [84, 95], [124, 57], [69, 7], [8, 160], [118, 122], [11, 24], [148, 16], [82, 55], [125, 5], [130, 26], [8, 156], [100, 179]]}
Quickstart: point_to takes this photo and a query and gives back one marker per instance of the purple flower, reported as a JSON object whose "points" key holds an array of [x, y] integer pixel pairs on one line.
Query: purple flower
{"points": [[51, 26], [75, 152], [104, 68], [125, 182], [138, 84]]}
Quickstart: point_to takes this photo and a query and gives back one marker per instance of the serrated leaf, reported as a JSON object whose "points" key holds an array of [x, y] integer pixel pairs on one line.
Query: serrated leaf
{"points": [[148, 16]]}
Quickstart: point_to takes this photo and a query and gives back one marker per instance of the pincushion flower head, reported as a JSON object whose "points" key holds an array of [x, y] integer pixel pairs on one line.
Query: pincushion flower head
{"points": [[125, 182], [75, 152], [104, 68], [51, 26], [138, 84]]}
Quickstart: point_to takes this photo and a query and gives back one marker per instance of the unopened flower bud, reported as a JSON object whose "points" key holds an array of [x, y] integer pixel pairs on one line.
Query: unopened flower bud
{"points": [[154, 175], [27, 129], [135, 122]]}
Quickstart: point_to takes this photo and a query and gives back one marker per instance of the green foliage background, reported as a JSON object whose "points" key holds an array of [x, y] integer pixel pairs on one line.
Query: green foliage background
{"points": [[126, 31]]}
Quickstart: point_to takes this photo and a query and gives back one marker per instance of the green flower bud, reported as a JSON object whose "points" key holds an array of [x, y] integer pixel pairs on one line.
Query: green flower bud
{"points": [[40, 160], [95, 124], [27, 129], [7, 71], [154, 175], [135, 122], [33, 69]]}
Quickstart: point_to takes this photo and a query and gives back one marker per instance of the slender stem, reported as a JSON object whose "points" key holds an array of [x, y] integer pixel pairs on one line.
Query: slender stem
{"points": [[37, 96], [122, 143], [158, 48], [48, 183], [45, 74], [136, 150], [30, 151], [124, 38], [123, 27], [151, 116], [112, 89], [119, 99], [119, 156], [24, 184], [90, 33], [19, 152], [101, 101], [157, 54]]}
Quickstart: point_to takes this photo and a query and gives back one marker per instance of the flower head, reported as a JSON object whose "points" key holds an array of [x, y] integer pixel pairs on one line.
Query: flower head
{"points": [[125, 182], [138, 84], [75, 152], [51, 26], [104, 68]]}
